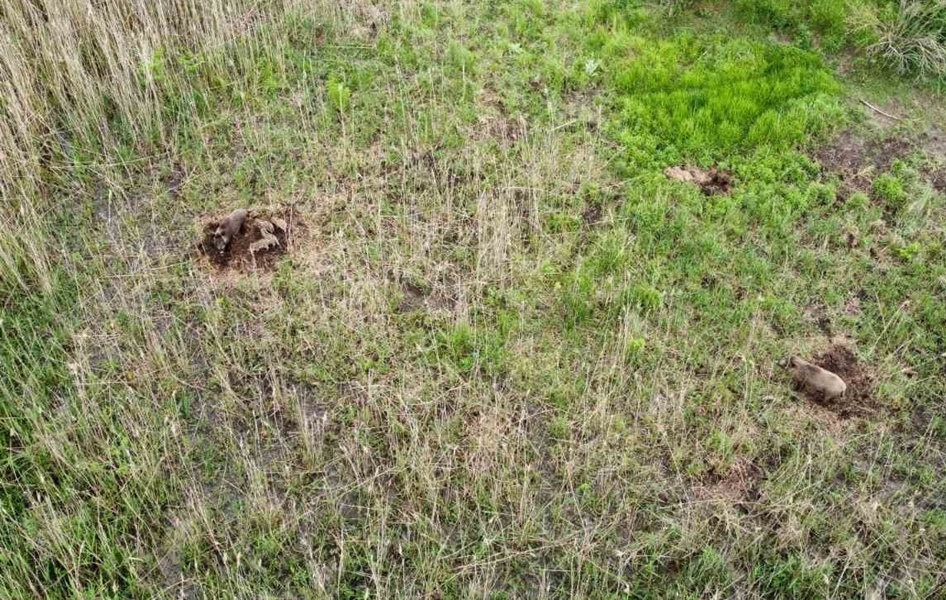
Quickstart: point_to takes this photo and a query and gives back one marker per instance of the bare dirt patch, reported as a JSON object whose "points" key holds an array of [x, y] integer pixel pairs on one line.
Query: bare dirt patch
{"points": [[818, 314], [935, 146], [262, 240], [937, 178], [592, 214], [934, 143], [856, 160], [858, 400], [176, 180], [738, 485], [416, 298], [506, 130], [712, 183], [852, 307]]}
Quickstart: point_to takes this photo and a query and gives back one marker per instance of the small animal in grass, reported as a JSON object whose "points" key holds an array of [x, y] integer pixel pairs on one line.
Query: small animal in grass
{"points": [[267, 239], [815, 380], [229, 227]]}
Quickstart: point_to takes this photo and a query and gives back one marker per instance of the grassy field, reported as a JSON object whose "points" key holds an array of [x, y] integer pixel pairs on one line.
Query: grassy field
{"points": [[503, 354]]}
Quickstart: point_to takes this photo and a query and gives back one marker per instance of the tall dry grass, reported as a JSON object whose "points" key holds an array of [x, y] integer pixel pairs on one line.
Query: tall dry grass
{"points": [[85, 84], [81, 80], [71, 68]]}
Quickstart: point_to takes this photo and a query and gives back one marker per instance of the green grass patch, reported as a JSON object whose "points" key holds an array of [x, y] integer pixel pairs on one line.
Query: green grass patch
{"points": [[705, 98], [506, 352]]}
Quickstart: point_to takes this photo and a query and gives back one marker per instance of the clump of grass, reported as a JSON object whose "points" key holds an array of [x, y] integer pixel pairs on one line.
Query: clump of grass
{"points": [[673, 7], [909, 36]]}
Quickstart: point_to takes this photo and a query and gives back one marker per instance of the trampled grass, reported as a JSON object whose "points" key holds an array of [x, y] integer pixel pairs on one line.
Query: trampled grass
{"points": [[505, 355]]}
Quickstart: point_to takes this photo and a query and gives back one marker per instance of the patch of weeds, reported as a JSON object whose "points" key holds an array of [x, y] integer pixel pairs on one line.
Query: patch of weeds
{"points": [[791, 576], [634, 349], [800, 19], [339, 95], [889, 189], [703, 98], [576, 294], [559, 428], [472, 349], [644, 298], [709, 569], [35, 333]]}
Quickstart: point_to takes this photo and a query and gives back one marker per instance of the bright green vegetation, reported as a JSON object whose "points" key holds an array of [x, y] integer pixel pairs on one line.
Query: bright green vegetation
{"points": [[509, 357]]}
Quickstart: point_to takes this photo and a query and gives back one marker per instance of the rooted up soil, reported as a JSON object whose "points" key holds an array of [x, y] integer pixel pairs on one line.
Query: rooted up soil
{"points": [[712, 183], [853, 158], [416, 298], [238, 254], [857, 161]]}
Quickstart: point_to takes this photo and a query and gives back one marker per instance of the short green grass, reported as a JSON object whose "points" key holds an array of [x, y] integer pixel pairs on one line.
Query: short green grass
{"points": [[509, 357]]}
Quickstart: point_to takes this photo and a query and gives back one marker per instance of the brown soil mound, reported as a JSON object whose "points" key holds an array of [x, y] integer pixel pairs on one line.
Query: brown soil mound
{"points": [[239, 254]]}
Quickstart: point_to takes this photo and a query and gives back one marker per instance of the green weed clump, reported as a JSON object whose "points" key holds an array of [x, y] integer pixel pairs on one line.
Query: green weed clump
{"points": [[907, 37]]}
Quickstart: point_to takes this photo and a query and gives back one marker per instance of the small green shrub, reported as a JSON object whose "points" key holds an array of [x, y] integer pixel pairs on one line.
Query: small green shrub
{"points": [[339, 95], [470, 349], [776, 13], [889, 189], [645, 297]]}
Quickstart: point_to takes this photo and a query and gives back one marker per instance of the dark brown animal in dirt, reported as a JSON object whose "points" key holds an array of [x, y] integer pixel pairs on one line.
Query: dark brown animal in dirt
{"points": [[815, 380], [229, 227]]}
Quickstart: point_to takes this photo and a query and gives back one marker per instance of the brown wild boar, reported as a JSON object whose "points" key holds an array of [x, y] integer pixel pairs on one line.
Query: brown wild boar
{"points": [[816, 380]]}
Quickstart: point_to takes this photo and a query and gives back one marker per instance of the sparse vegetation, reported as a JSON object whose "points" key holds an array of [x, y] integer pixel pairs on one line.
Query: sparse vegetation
{"points": [[503, 353]]}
